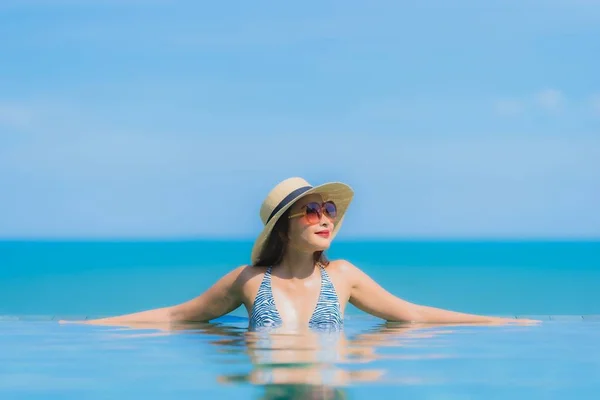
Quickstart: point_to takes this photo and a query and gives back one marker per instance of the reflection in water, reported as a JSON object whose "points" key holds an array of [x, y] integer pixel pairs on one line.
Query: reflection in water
{"points": [[302, 392], [311, 365], [314, 365]]}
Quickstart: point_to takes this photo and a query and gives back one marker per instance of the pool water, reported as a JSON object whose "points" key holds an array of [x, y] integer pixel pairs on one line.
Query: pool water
{"points": [[558, 359], [42, 282]]}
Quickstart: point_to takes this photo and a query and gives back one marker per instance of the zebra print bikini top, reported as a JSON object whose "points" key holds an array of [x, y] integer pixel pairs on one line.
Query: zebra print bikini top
{"points": [[326, 316]]}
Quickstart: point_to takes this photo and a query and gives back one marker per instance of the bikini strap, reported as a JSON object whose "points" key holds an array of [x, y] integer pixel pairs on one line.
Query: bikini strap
{"points": [[266, 280], [325, 275]]}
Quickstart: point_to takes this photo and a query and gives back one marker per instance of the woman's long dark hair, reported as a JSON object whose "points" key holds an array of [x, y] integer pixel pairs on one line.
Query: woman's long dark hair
{"points": [[276, 244]]}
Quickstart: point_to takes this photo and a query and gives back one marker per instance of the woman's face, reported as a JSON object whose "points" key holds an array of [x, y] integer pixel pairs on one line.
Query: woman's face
{"points": [[304, 235]]}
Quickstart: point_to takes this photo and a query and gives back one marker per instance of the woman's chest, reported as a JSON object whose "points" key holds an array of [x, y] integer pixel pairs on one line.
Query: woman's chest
{"points": [[295, 303]]}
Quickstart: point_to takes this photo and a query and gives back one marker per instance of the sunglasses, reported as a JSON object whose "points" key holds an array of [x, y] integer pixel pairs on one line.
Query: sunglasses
{"points": [[314, 211]]}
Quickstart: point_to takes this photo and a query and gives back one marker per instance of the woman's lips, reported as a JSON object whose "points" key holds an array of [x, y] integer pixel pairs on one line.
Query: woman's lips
{"points": [[324, 234]]}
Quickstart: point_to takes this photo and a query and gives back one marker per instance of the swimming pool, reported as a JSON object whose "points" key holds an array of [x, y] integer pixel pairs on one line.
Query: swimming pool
{"points": [[558, 359], [41, 283]]}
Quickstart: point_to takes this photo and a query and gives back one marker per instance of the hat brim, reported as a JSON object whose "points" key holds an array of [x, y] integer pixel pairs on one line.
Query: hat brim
{"points": [[340, 193]]}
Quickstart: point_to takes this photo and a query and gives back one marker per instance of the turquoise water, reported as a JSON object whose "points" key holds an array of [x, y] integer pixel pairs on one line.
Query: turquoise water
{"points": [[98, 278], [41, 282], [558, 360]]}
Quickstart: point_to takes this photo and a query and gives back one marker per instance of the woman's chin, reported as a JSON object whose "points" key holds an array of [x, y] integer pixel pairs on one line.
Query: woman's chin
{"points": [[320, 244]]}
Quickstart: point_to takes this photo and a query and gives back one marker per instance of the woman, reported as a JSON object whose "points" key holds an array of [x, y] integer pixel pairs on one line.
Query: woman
{"points": [[290, 284]]}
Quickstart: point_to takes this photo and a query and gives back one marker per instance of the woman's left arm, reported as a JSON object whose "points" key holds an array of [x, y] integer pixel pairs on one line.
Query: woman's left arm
{"points": [[369, 296]]}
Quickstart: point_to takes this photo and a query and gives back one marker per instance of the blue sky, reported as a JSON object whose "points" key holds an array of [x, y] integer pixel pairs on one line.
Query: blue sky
{"points": [[174, 119]]}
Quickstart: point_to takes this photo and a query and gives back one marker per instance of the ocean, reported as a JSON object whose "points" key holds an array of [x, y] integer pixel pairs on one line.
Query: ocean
{"points": [[92, 278]]}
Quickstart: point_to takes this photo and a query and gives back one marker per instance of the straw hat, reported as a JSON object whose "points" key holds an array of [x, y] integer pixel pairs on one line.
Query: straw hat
{"points": [[283, 196]]}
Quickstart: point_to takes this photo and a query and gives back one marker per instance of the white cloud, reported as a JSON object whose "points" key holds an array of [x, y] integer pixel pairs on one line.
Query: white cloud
{"points": [[14, 115], [509, 107], [550, 99]]}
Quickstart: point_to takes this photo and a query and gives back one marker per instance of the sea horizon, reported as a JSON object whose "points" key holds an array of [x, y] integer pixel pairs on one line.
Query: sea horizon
{"points": [[110, 276], [387, 239]]}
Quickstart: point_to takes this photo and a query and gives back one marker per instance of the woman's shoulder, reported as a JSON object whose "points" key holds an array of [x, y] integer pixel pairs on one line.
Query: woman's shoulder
{"points": [[341, 266], [248, 271], [245, 274], [248, 279], [344, 275]]}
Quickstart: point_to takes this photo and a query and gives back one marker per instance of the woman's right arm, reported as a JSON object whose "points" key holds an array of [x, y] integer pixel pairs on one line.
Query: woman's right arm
{"points": [[221, 298]]}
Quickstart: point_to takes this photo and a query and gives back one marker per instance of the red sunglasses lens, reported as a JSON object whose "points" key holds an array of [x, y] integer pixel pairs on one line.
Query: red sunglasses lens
{"points": [[313, 213]]}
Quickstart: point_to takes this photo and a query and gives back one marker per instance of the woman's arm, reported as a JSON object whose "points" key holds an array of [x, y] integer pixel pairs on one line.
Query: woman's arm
{"points": [[223, 297], [370, 297]]}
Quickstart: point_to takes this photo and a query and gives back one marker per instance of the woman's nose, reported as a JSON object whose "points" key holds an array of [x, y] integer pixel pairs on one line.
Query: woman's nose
{"points": [[324, 220]]}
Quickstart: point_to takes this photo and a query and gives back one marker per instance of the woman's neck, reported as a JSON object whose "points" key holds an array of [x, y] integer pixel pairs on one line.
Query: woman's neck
{"points": [[297, 264]]}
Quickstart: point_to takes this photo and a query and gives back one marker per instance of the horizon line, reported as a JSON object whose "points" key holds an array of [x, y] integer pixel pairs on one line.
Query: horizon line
{"points": [[150, 239]]}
